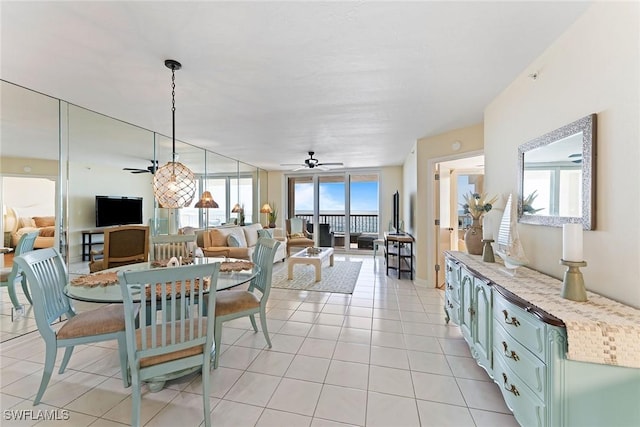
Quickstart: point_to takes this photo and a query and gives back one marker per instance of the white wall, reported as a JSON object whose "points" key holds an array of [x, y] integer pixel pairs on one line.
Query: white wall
{"points": [[427, 152], [88, 181], [593, 68]]}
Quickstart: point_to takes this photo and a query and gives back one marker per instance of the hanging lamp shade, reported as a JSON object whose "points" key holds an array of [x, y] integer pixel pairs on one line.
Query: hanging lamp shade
{"points": [[174, 185], [206, 201]]}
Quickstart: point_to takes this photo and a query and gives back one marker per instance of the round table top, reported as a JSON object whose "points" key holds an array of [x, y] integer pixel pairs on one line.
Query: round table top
{"points": [[112, 293]]}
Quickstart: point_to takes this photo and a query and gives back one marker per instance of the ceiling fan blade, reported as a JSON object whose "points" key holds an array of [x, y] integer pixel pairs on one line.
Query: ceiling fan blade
{"points": [[331, 164], [136, 170]]}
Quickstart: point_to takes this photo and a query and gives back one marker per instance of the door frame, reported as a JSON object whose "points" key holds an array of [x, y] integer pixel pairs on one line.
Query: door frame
{"points": [[432, 236]]}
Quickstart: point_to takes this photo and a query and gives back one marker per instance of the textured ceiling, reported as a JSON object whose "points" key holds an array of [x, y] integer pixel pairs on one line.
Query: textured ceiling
{"points": [[265, 82]]}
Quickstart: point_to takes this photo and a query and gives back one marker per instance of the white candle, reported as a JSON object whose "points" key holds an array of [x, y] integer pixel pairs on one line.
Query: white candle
{"points": [[572, 242], [486, 229]]}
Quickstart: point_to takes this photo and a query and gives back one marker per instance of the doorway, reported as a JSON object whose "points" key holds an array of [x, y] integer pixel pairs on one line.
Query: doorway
{"points": [[455, 179]]}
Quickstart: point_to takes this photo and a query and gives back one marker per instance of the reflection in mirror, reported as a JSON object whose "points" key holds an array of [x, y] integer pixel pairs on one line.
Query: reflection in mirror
{"points": [[101, 153], [29, 166], [556, 176], [195, 159], [245, 184]]}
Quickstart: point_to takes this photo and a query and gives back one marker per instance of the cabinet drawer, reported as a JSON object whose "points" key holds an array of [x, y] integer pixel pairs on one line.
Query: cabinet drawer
{"points": [[453, 292], [453, 308], [453, 280], [528, 409], [523, 326], [520, 360]]}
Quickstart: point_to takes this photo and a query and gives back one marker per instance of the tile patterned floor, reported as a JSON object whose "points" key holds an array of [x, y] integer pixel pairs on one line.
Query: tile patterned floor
{"points": [[380, 357]]}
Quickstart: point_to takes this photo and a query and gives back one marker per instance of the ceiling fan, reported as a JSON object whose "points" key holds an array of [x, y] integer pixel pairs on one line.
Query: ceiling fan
{"points": [[312, 163], [150, 169], [576, 158]]}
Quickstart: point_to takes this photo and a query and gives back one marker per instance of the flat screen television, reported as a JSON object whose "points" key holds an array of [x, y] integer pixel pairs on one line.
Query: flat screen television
{"points": [[396, 213], [118, 210]]}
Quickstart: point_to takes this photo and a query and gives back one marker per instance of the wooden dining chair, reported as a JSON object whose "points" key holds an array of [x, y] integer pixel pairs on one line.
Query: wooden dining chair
{"points": [[166, 246], [47, 276], [178, 339], [127, 244], [10, 275], [233, 304]]}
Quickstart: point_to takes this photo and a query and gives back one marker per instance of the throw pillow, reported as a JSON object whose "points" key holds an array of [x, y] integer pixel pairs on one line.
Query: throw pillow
{"points": [[233, 241], [47, 232], [297, 235], [44, 221], [264, 233]]}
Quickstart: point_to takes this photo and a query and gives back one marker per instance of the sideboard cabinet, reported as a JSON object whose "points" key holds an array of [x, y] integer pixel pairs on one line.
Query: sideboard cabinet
{"points": [[524, 348]]}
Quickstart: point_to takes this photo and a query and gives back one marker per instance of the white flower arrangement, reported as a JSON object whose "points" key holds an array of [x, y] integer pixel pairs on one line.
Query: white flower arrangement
{"points": [[476, 205]]}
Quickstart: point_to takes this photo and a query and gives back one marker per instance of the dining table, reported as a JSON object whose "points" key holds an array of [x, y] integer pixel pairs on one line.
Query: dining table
{"points": [[103, 287]]}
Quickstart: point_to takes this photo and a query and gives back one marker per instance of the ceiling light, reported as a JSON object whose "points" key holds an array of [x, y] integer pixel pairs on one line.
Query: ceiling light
{"points": [[174, 185]]}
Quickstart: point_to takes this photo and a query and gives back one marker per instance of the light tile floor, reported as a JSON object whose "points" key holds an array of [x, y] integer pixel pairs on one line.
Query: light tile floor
{"points": [[380, 357]]}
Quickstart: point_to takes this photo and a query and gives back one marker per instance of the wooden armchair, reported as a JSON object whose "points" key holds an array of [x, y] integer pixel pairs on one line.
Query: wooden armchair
{"points": [[127, 244], [297, 234]]}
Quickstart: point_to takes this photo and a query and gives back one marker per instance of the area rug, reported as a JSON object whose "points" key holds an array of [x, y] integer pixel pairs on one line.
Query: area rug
{"points": [[341, 278]]}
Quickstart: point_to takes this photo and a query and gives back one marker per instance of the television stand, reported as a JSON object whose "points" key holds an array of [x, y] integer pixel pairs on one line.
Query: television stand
{"points": [[88, 243]]}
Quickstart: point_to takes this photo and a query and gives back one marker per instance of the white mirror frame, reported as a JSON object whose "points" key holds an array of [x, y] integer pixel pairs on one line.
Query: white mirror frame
{"points": [[586, 125]]}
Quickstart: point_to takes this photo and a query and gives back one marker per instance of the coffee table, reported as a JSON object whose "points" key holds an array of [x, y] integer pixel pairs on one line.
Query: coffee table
{"points": [[315, 259]]}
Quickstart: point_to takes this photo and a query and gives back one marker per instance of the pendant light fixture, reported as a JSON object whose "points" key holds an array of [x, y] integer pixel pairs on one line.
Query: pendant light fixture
{"points": [[206, 201], [174, 185]]}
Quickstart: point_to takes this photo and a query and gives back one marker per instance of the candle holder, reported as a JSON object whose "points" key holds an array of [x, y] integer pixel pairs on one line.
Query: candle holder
{"points": [[487, 251], [573, 283]]}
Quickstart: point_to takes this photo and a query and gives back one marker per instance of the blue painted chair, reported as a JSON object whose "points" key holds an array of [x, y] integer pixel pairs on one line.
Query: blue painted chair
{"points": [[178, 339], [234, 304], [47, 276], [9, 275]]}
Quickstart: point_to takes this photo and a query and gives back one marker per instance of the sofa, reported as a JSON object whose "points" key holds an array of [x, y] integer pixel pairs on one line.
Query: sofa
{"points": [[19, 225], [239, 241]]}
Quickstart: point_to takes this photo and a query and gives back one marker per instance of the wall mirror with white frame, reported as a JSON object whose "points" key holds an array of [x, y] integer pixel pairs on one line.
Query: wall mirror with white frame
{"points": [[556, 176]]}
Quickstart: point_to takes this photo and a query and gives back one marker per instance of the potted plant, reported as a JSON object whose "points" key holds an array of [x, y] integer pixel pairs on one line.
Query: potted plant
{"points": [[273, 215]]}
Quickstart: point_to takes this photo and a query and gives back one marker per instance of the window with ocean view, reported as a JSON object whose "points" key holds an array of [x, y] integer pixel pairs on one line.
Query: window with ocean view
{"points": [[347, 203]]}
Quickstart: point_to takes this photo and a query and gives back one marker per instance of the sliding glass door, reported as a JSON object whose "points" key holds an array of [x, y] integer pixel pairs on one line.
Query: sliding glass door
{"points": [[343, 208]]}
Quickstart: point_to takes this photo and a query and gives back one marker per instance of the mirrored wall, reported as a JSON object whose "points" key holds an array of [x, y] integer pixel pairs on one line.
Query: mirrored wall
{"points": [[89, 154]]}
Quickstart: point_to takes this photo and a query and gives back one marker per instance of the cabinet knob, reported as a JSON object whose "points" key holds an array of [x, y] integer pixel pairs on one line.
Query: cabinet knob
{"points": [[471, 311], [510, 355], [513, 320], [449, 304], [511, 389]]}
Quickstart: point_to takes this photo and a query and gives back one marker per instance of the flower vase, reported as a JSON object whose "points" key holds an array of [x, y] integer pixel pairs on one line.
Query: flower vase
{"points": [[473, 238]]}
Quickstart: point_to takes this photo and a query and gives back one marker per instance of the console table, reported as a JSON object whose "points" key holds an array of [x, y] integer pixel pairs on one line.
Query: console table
{"points": [[557, 362], [398, 253], [88, 242]]}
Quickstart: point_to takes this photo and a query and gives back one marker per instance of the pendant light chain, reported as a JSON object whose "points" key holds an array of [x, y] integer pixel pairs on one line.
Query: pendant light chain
{"points": [[173, 110], [174, 184]]}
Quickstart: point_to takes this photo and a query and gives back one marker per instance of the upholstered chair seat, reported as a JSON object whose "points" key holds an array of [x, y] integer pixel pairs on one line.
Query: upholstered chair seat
{"points": [[103, 320], [235, 301]]}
